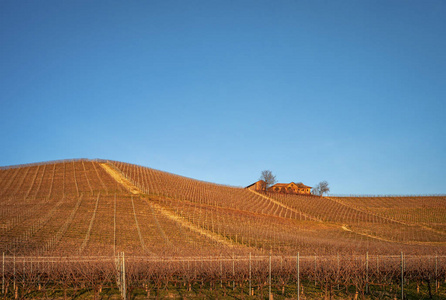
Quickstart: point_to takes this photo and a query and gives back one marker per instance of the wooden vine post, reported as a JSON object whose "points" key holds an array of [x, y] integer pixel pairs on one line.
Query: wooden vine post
{"points": [[367, 273], [269, 278], [3, 274], [402, 275], [250, 284], [120, 266], [298, 279]]}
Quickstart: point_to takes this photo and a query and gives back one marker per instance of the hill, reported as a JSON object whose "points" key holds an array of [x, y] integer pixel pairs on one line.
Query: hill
{"points": [[98, 207]]}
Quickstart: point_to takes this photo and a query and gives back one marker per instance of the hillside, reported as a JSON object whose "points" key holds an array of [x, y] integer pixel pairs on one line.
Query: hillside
{"points": [[96, 207]]}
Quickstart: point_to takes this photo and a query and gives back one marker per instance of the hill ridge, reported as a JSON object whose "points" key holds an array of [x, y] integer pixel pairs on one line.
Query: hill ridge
{"points": [[101, 207]]}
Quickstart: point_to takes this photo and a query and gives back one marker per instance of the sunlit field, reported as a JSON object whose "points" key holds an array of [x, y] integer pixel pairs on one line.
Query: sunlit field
{"points": [[75, 227]]}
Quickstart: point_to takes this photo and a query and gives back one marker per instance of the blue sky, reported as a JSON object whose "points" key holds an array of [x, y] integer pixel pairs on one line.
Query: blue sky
{"points": [[352, 92]]}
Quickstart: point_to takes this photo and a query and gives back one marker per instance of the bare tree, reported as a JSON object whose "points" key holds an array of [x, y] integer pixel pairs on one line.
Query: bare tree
{"points": [[321, 188], [268, 177]]}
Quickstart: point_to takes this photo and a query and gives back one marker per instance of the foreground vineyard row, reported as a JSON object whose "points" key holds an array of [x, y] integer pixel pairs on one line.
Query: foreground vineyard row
{"points": [[258, 276]]}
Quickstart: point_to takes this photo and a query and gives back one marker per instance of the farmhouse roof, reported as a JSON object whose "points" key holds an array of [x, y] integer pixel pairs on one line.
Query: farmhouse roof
{"points": [[281, 184], [300, 184], [254, 183]]}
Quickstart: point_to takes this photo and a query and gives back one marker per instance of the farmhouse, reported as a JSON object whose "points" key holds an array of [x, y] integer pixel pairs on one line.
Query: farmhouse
{"points": [[290, 188], [284, 188], [258, 186]]}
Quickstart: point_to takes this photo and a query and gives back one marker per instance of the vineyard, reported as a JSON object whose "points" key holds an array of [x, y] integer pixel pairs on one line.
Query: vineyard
{"points": [[69, 221]]}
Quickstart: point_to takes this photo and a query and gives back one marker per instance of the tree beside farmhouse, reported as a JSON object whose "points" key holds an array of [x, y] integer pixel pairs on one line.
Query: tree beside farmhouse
{"points": [[268, 177], [321, 189]]}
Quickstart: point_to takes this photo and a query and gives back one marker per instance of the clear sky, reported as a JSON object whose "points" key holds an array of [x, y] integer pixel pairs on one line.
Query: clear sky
{"points": [[352, 92]]}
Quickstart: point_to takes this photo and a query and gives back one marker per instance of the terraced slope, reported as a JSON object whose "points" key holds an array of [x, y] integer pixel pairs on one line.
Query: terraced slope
{"points": [[96, 207], [363, 221], [78, 208], [426, 210], [352, 228]]}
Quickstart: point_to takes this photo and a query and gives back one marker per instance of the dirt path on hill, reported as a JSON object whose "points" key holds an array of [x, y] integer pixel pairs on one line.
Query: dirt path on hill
{"points": [[213, 236], [368, 212], [345, 228], [285, 206], [120, 178], [170, 215], [388, 218]]}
